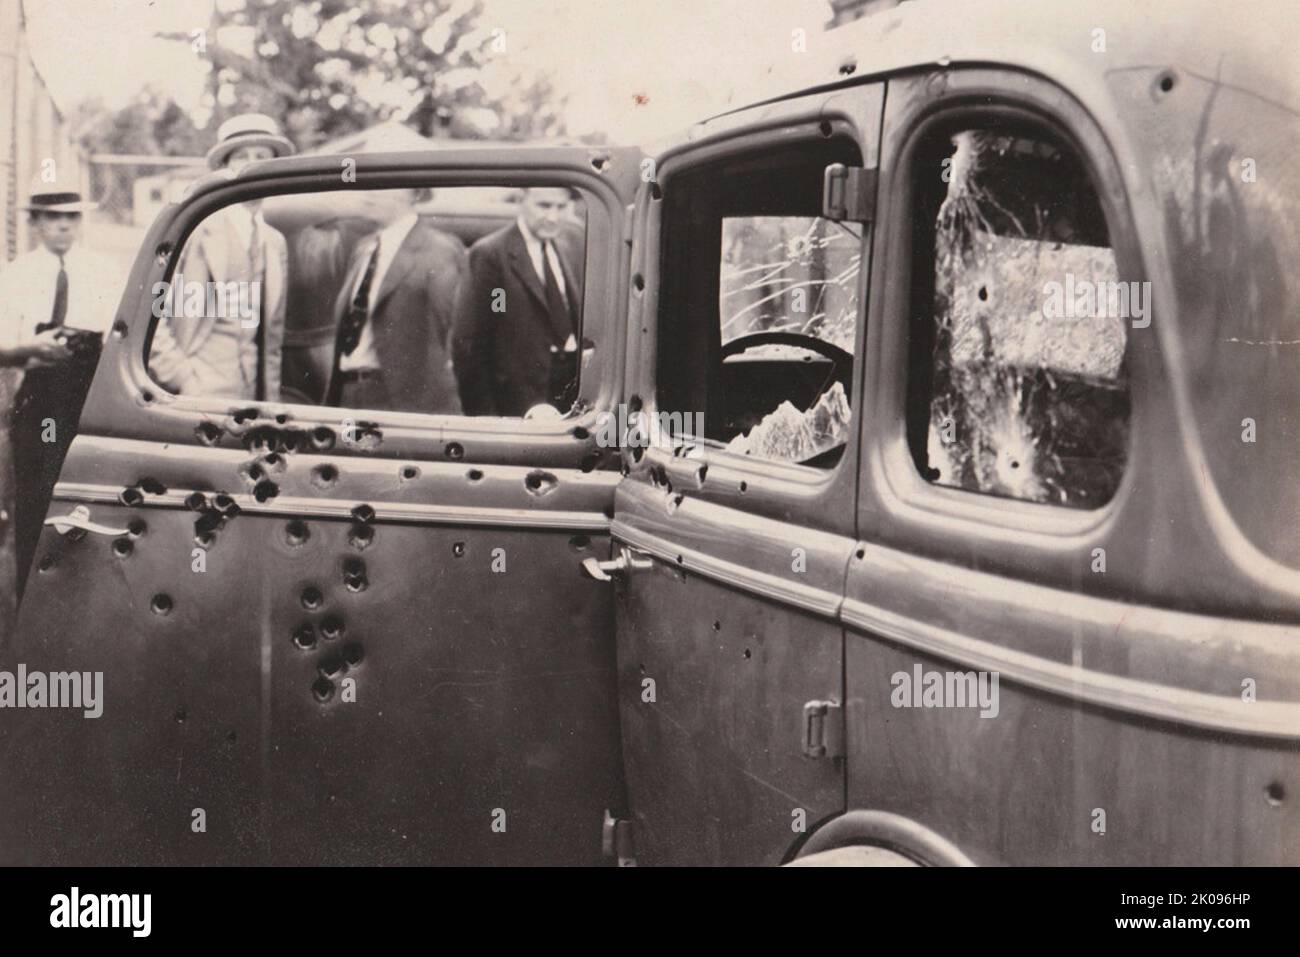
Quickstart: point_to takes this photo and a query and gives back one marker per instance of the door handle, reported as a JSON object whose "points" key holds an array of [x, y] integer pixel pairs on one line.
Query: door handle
{"points": [[79, 517], [628, 560]]}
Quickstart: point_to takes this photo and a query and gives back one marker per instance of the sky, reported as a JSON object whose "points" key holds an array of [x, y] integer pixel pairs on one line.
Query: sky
{"points": [[634, 70]]}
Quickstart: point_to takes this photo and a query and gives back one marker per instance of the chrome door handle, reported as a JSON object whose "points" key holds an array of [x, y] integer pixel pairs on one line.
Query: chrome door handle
{"points": [[628, 560], [79, 517]]}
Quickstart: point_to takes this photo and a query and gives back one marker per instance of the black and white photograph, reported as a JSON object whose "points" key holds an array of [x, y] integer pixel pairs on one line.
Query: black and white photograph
{"points": [[496, 434]]}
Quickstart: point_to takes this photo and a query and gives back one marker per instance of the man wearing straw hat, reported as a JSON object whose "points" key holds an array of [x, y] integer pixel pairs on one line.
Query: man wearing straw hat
{"points": [[234, 354], [56, 302]]}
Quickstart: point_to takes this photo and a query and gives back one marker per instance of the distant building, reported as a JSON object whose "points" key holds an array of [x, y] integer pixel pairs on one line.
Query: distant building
{"points": [[149, 194]]}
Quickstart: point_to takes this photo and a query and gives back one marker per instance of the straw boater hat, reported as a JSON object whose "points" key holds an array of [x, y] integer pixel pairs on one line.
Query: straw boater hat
{"points": [[59, 196], [247, 129]]}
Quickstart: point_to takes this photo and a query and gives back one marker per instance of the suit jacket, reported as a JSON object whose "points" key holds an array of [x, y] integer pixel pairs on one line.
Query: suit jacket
{"points": [[216, 253], [504, 359], [411, 318]]}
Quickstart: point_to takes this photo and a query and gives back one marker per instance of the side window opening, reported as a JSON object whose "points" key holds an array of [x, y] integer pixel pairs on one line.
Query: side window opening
{"points": [[1018, 386], [760, 307]]}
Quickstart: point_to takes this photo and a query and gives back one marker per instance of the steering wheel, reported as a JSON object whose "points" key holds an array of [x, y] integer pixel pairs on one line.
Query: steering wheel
{"points": [[842, 361]]}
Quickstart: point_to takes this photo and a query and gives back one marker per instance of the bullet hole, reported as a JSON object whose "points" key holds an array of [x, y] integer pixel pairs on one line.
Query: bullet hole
{"points": [[311, 598], [675, 502], [274, 461], [282, 418], [634, 405], [119, 330], [363, 514], [474, 475], [717, 626], [579, 432], [243, 415], [681, 560], [162, 253], [1165, 82], [146, 396], [658, 475], [656, 193], [136, 527], [304, 637], [352, 654], [580, 543], [1275, 793], [205, 539], [122, 547], [589, 462], [267, 438], [252, 472], [222, 502], [152, 486], [130, 497], [847, 68], [458, 549], [322, 689], [296, 533], [744, 486], [747, 654], [322, 438], [331, 627], [455, 451], [324, 476], [824, 127], [984, 293], [637, 452], [600, 162], [410, 473], [207, 523], [701, 473], [46, 563], [860, 554], [207, 433], [265, 490], [179, 716], [161, 604], [354, 574], [368, 435], [331, 665], [638, 283], [361, 536], [540, 483]]}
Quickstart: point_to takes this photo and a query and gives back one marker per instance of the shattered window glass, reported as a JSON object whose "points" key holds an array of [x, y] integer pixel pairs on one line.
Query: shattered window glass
{"points": [[1028, 394], [788, 303]]}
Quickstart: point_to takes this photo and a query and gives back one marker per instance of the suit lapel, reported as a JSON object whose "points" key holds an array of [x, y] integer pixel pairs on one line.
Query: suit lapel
{"points": [[408, 254], [522, 266]]}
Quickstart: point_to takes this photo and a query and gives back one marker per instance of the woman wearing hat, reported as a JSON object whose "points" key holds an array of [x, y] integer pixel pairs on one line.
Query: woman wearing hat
{"points": [[231, 355], [56, 302]]}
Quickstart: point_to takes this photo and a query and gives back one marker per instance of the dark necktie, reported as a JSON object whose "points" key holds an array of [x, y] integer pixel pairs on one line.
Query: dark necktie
{"points": [[556, 307], [350, 329], [60, 311]]}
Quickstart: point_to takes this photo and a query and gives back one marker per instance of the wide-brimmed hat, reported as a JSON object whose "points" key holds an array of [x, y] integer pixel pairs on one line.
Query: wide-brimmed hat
{"points": [[59, 196], [247, 129]]}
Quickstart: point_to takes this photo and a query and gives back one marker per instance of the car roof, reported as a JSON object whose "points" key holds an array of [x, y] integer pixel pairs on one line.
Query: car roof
{"points": [[1250, 47]]}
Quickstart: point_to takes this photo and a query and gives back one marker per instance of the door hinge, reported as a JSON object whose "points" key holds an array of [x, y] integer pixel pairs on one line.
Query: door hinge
{"points": [[616, 840], [823, 729], [849, 193]]}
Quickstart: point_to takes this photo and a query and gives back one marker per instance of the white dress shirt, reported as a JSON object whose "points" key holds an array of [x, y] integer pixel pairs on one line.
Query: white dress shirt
{"points": [[364, 356], [27, 292]]}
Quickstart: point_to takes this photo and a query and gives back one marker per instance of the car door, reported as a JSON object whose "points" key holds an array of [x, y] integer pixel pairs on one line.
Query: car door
{"points": [[731, 566], [328, 635]]}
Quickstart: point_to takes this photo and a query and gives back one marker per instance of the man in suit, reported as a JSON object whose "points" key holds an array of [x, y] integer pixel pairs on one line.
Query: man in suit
{"points": [[517, 342], [394, 312], [56, 302], [230, 354]]}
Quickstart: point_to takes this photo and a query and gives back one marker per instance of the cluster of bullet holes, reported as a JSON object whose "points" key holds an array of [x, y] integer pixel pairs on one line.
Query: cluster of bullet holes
{"points": [[214, 511], [123, 547], [333, 662]]}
